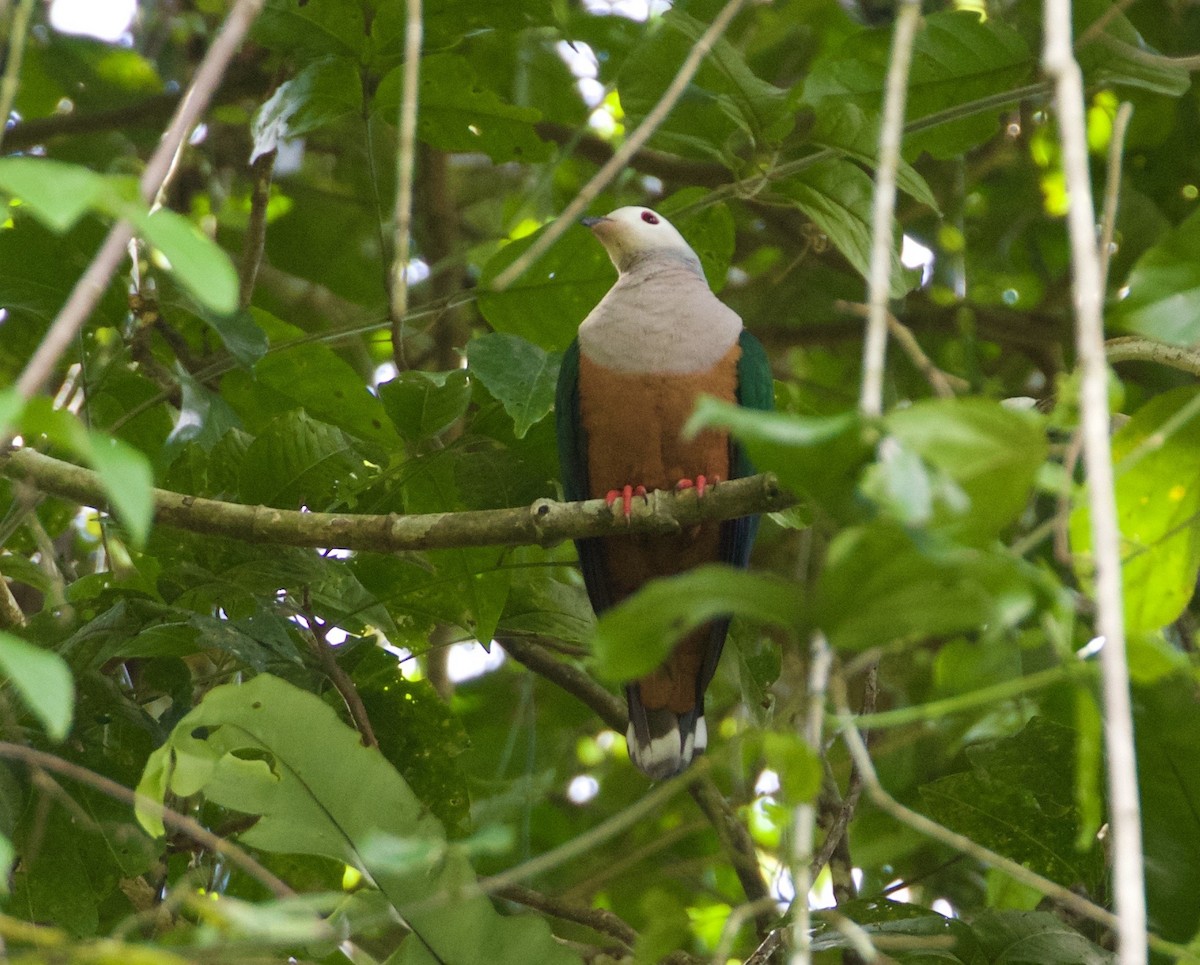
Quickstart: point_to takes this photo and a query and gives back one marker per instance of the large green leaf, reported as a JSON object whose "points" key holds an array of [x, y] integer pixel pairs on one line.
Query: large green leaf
{"points": [[59, 194], [1167, 729], [269, 749], [1163, 300], [726, 107], [1158, 509], [957, 57], [424, 404], [518, 374], [815, 456], [837, 196], [992, 453], [323, 92], [845, 126], [43, 681], [635, 637], [547, 303], [297, 461], [1018, 799], [879, 586], [458, 112]]}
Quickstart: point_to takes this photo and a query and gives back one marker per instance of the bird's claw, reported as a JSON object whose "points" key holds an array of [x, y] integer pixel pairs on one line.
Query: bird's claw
{"points": [[626, 496], [700, 484]]}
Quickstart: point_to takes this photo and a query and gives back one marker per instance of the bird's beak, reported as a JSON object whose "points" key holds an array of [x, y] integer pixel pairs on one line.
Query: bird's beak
{"points": [[591, 222]]}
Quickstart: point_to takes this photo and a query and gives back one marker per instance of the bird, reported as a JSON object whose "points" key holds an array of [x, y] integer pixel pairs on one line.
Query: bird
{"points": [[630, 380]]}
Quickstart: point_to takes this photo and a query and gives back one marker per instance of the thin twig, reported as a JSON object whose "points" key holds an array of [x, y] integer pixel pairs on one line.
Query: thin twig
{"points": [[11, 614], [600, 920], [633, 143], [738, 846], [574, 681], [261, 169], [732, 834], [931, 829], [181, 822], [804, 817], [1112, 187], [883, 208], [944, 384], [733, 924], [12, 67], [1133, 348], [95, 279], [405, 154], [1124, 811], [854, 786], [1148, 57], [318, 642]]}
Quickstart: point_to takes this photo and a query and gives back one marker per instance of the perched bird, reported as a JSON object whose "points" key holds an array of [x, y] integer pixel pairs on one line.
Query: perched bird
{"points": [[657, 341]]}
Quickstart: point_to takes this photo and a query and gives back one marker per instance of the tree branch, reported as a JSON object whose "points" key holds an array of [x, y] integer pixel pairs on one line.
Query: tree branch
{"points": [[95, 279], [883, 208], [180, 822], [546, 522], [600, 920], [1129, 887], [1133, 348]]}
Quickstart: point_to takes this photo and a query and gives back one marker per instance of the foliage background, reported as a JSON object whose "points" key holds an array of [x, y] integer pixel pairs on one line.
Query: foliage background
{"points": [[944, 540]]}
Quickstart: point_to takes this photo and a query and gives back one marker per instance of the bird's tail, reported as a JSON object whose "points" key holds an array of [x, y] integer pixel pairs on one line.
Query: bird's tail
{"points": [[661, 742]]}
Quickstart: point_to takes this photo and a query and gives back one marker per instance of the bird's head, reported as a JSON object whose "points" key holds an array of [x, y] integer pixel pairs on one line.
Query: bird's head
{"points": [[631, 235]]}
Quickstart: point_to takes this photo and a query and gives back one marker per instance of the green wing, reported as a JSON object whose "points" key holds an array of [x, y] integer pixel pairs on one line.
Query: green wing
{"points": [[573, 468], [572, 446], [755, 390]]}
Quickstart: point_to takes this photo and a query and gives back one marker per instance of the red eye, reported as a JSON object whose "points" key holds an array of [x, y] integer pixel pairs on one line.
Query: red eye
{"points": [[649, 217]]}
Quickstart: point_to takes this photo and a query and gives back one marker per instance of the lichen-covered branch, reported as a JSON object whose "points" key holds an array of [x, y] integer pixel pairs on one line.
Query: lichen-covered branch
{"points": [[545, 523]]}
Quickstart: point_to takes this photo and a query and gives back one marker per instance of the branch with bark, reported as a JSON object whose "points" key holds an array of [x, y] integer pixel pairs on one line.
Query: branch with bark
{"points": [[545, 522]]}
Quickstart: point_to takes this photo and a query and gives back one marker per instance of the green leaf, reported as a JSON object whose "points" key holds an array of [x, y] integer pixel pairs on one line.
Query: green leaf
{"points": [[547, 303], [709, 229], [1019, 800], [879, 586], [422, 405], [196, 261], [43, 681], [314, 30], [58, 194], [241, 334], [991, 452], [519, 375], [726, 106], [635, 636], [328, 388], [797, 765], [836, 195], [127, 479], [1034, 938], [1157, 465], [459, 113], [846, 127], [322, 93], [1163, 302], [817, 456], [949, 940], [269, 749], [1167, 732], [297, 461], [958, 57]]}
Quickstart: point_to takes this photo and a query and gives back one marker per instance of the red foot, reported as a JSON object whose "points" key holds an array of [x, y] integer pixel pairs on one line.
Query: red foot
{"points": [[626, 496], [701, 484]]}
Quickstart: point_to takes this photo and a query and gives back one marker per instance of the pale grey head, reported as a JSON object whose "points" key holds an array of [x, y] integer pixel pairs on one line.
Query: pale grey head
{"points": [[632, 235]]}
